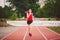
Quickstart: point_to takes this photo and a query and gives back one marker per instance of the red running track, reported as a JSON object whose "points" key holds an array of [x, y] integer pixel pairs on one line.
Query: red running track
{"points": [[16, 35], [49, 34], [35, 35], [38, 33]]}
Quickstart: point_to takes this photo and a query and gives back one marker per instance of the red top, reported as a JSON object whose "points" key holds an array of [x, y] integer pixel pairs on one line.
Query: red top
{"points": [[30, 17]]}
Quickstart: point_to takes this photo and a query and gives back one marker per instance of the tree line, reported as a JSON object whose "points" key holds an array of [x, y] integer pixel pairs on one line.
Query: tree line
{"points": [[50, 10]]}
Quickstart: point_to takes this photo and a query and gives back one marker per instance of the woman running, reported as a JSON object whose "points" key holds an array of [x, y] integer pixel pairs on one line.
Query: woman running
{"points": [[29, 19]]}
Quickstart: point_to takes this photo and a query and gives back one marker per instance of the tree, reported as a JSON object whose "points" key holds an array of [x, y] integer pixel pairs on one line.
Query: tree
{"points": [[4, 13], [14, 15], [48, 9], [39, 13], [1, 12], [23, 5], [57, 9]]}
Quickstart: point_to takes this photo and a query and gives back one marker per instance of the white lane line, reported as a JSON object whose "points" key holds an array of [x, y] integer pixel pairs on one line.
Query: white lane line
{"points": [[25, 34], [42, 33], [52, 31], [9, 34]]}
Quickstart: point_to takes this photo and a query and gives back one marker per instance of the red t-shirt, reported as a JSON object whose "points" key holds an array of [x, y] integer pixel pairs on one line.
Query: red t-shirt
{"points": [[30, 17]]}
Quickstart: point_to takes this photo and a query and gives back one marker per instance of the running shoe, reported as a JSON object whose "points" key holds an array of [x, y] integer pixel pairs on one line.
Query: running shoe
{"points": [[30, 34]]}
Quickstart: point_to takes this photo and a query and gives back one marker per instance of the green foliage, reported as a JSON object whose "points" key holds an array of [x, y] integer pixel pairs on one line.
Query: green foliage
{"points": [[48, 9], [14, 16], [23, 5], [2, 13], [57, 9], [5, 12], [39, 13], [51, 8]]}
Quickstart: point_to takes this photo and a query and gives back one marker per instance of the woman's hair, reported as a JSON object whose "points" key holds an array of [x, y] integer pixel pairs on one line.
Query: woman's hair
{"points": [[27, 10]]}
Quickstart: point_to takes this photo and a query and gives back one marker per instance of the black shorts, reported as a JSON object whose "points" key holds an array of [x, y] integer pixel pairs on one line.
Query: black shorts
{"points": [[29, 22]]}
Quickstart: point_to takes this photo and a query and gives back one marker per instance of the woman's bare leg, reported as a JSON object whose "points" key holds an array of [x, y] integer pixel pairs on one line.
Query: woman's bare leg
{"points": [[29, 30]]}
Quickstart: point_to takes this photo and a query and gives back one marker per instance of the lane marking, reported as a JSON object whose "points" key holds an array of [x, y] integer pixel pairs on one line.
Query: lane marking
{"points": [[51, 30], [9, 34], [41, 33], [55, 39], [25, 34]]}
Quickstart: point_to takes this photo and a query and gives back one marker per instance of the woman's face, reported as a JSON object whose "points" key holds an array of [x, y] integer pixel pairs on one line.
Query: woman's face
{"points": [[30, 10]]}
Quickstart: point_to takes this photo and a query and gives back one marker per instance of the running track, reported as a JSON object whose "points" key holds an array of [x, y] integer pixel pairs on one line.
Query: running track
{"points": [[38, 33]]}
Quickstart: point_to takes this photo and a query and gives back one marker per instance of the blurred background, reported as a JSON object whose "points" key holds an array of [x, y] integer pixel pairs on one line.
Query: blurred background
{"points": [[42, 10]]}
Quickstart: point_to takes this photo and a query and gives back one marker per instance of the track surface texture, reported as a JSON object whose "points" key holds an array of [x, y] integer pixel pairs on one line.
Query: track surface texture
{"points": [[38, 33]]}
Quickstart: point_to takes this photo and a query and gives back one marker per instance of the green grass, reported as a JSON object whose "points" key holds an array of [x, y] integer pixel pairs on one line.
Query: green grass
{"points": [[56, 29]]}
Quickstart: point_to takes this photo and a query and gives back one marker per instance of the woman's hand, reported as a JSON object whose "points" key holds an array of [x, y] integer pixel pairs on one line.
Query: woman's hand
{"points": [[25, 11]]}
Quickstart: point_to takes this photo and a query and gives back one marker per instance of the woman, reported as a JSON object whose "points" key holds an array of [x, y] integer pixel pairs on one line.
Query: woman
{"points": [[29, 19]]}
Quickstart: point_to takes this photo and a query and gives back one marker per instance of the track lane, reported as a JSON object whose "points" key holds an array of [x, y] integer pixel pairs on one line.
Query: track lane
{"points": [[16, 35], [35, 35], [50, 35], [38, 33]]}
